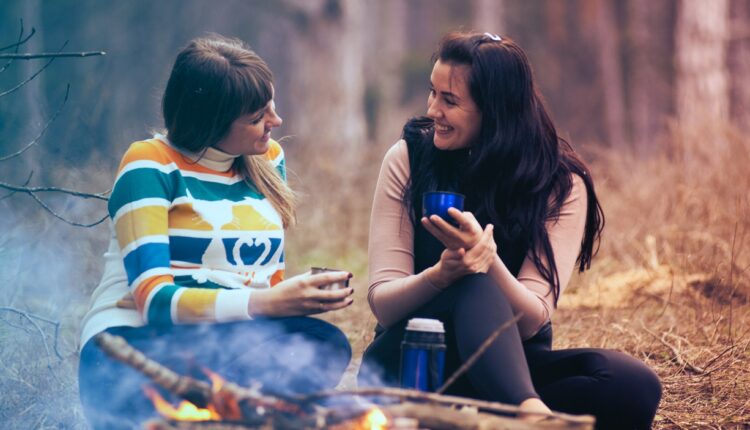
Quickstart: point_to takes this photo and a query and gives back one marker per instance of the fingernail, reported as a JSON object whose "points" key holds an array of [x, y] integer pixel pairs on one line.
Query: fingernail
{"points": [[350, 275]]}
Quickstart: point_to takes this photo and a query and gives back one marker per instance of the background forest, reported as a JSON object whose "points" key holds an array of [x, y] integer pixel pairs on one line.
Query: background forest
{"points": [[654, 93]]}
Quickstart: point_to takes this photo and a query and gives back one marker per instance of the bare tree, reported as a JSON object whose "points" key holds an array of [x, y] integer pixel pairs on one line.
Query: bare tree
{"points": [[24, 187]]}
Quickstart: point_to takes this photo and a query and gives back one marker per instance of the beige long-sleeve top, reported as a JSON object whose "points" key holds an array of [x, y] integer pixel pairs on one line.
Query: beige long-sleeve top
{"points": [[395, 290]]}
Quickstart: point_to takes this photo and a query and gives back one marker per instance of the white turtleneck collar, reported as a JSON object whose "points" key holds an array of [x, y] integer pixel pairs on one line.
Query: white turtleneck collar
{"points": [[212, 158]]}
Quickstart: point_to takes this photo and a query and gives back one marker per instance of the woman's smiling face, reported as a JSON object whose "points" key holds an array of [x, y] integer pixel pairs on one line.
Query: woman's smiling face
{"points": [[249, 134], [458, 120]]}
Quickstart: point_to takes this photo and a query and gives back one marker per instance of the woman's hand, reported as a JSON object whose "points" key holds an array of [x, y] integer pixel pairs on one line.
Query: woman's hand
{"points": [[467, 235], [301, 295], [456, 263]]}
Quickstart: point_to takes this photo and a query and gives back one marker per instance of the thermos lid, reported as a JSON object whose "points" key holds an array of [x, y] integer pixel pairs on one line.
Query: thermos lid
{"points": [[425, 324]]}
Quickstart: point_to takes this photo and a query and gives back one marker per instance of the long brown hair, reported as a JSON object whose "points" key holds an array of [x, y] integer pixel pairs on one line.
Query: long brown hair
{"points": [[214, 81]]}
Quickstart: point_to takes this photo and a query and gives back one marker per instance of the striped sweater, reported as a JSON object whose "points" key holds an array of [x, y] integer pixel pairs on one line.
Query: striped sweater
{"points": [[193, 240]]}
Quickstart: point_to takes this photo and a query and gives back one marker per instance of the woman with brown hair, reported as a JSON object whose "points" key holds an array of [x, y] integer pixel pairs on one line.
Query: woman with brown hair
{"points": [[531, 217], [194, 276]]}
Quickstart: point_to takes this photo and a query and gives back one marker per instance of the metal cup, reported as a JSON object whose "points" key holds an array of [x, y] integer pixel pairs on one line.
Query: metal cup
{"points": [[438, 203], [338, 285]]}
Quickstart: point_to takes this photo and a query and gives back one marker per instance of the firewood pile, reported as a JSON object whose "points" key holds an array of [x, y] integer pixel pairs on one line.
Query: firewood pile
{"points": [[233, 407]]}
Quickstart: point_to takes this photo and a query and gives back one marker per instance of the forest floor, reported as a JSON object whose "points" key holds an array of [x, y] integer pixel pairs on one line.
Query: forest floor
{"points": [[693, 331]]}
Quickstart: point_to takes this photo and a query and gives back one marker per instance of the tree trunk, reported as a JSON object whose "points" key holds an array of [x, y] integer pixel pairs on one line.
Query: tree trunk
{"points": [[327, 90], [489, 16], [610, 66], [387, 45], [702, 79], [650, 26], [739, 63]]}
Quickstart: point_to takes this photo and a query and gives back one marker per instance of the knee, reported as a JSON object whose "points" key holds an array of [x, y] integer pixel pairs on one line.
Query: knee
{"points": [[334, 340], [479, 289], [638, 389]]}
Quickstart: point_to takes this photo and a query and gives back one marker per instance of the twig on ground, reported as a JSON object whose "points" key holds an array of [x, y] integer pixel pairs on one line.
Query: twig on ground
{"points": [[671, 420], [52, 55], [38, 136], [675, 353], [478, 353], [31, 317]]}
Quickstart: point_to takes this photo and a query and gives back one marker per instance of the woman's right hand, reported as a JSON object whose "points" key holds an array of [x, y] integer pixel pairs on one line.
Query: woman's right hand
{"points": [[301, 295], [456, 263]]}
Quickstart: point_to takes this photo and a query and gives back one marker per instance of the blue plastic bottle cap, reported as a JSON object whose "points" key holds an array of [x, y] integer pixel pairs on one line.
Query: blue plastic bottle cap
{"points": [[425, 324]]}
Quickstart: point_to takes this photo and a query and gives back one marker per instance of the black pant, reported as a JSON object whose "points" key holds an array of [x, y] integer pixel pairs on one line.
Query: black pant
{"points": [[286, 355], [620, 391]]}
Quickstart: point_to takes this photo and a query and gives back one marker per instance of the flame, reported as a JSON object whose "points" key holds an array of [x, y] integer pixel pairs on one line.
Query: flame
{"points": [[374, 420], [186, 411]]}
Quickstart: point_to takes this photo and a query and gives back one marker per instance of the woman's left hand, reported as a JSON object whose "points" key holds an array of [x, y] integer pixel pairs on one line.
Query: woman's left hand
{"points": [[466, 235]]}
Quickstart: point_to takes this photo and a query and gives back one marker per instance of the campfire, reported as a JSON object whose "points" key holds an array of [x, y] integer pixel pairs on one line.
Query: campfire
{"points": [[224, 405]]}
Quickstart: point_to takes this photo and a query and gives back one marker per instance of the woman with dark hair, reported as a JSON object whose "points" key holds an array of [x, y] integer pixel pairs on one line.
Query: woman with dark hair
{"points": [[194, 276], [531, 216]]}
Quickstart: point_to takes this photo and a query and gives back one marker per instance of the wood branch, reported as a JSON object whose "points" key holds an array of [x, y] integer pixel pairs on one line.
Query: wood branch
{"points": [[33, 190], [30, 317], [30, 78], [478, 353], [52, 55], [678, 358], [16, 45], [231, 399], [26, 183], [41, 133], [442, 399], [441, 418], [21, 40]]}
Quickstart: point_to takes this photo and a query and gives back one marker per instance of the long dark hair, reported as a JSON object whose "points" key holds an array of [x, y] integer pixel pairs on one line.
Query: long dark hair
{"points": [[519, 173]]}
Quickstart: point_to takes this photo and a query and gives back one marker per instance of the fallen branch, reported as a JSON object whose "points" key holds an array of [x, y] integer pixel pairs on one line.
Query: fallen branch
{"points": [[31, 318], [675, 353], [478, 353], [442, 399]]}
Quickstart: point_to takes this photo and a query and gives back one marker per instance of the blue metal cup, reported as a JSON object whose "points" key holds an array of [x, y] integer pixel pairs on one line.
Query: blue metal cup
{"points": [[423, 355], [438, 202]]}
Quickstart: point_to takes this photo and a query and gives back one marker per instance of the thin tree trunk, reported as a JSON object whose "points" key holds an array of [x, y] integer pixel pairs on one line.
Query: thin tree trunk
{"points": [[650, 88], [702, 80], [610, 66], [327, 86], [739, 63], [489, 16]]}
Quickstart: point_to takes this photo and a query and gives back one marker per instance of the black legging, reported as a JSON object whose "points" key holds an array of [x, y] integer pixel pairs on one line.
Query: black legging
{"points": [[620, 391]]}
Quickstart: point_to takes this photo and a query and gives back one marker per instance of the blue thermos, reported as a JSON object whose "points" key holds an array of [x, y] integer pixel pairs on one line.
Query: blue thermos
{"points": [[423, 355]]}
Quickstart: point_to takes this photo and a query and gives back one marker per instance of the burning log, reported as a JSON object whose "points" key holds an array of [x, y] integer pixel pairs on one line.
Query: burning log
{"points": [[241, 408], [230, 400]]}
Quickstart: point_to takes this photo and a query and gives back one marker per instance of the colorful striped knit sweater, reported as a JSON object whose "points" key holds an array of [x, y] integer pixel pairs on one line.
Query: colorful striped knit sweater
{"points": [[194, 237]]}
